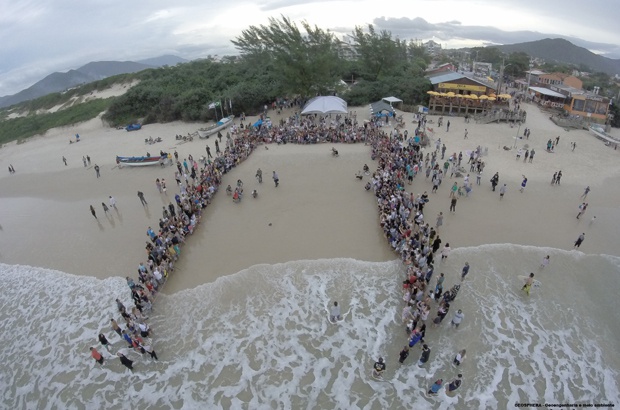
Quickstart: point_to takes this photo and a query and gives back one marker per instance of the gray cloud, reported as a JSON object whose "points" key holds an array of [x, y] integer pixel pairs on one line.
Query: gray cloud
{"points": [[419, 28], [42, 36], [270, 5]]}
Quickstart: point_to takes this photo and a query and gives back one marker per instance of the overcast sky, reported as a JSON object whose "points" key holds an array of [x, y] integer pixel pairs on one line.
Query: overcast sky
{"points": [[38, 37]]}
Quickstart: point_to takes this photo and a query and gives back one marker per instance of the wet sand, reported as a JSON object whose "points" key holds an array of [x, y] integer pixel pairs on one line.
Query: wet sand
{"points": [[319, 211]]}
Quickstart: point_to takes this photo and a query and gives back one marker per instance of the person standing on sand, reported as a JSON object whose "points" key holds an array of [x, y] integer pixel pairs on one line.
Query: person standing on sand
{"points": [[439, 220], [125, 361], [582, 209], [545, 262], [92, 211], [64, 160], [495, 181], [259, 175], [113, 202], [585, 193], [209, 156], [105, 208], [532, 152], [97, 171], [436, 244], [579, 240], [96, 355], [276, 179], [217, 147], [453, 204], [448, 126], [84, 161], [88, 159], [142, 200], [523, 183]]}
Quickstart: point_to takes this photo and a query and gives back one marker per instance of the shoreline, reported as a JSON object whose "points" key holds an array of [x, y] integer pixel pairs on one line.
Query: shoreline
{"points": [[64, 192]]}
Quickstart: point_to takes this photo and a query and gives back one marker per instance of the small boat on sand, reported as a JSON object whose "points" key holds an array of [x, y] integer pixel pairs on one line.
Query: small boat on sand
{"points": [[133, 127], [220, 125], [137, 161]]}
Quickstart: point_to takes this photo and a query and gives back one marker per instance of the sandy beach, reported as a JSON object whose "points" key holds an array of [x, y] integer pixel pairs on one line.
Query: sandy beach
{"points": [[320, 211], [242, 322]]}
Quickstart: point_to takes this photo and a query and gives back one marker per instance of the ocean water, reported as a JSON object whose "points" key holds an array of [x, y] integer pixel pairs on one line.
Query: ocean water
{"points": [[260, 339]]}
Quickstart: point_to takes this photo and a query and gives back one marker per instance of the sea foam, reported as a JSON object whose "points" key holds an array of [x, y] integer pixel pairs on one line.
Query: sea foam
{"points": [[260, 339]]}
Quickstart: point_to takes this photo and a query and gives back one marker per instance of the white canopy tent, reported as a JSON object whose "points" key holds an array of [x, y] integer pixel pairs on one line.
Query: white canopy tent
{"points": [[392, 100], [325, 105]]}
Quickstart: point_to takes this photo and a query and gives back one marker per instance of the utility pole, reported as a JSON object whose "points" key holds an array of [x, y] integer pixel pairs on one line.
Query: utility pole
{"points": [[529, 76]]}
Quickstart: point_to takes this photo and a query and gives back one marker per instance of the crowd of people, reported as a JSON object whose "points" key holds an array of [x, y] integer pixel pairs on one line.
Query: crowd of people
{"points": [[400, 159], [197, 182], [401, 216]]}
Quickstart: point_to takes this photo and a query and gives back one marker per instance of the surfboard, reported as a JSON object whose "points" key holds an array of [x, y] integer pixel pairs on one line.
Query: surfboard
{"points": [[535, 283]]}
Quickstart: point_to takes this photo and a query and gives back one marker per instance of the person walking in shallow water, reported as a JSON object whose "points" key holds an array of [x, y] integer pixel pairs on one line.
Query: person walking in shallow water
{"points": [[96, 355], [125, 361]]}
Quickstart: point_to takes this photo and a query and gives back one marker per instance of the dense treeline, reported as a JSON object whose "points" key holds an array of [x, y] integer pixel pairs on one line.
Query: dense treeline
{"points": [[279, 60], [185, 91]]}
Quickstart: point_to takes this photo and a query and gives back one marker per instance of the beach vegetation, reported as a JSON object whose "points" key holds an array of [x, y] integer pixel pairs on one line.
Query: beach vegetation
{"points": [[23, 127]]}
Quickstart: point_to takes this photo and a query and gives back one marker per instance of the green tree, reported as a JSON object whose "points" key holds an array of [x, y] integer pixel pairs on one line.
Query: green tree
{"points": [[379, 54], [308, 62], [517, 64]]}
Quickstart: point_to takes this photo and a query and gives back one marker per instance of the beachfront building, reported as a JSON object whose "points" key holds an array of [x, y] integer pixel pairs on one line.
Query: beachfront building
{"points": [[563, 91], [441, 69], [455, 93], [545, 97], [546, 80], [584, 103]]}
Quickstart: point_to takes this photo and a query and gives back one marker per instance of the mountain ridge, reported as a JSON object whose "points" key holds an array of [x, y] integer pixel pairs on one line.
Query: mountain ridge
{"points": [[89, 72], [563, 51]]}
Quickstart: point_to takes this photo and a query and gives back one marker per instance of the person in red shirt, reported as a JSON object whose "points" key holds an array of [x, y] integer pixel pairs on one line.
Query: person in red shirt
{"points": [[96, 355]]}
